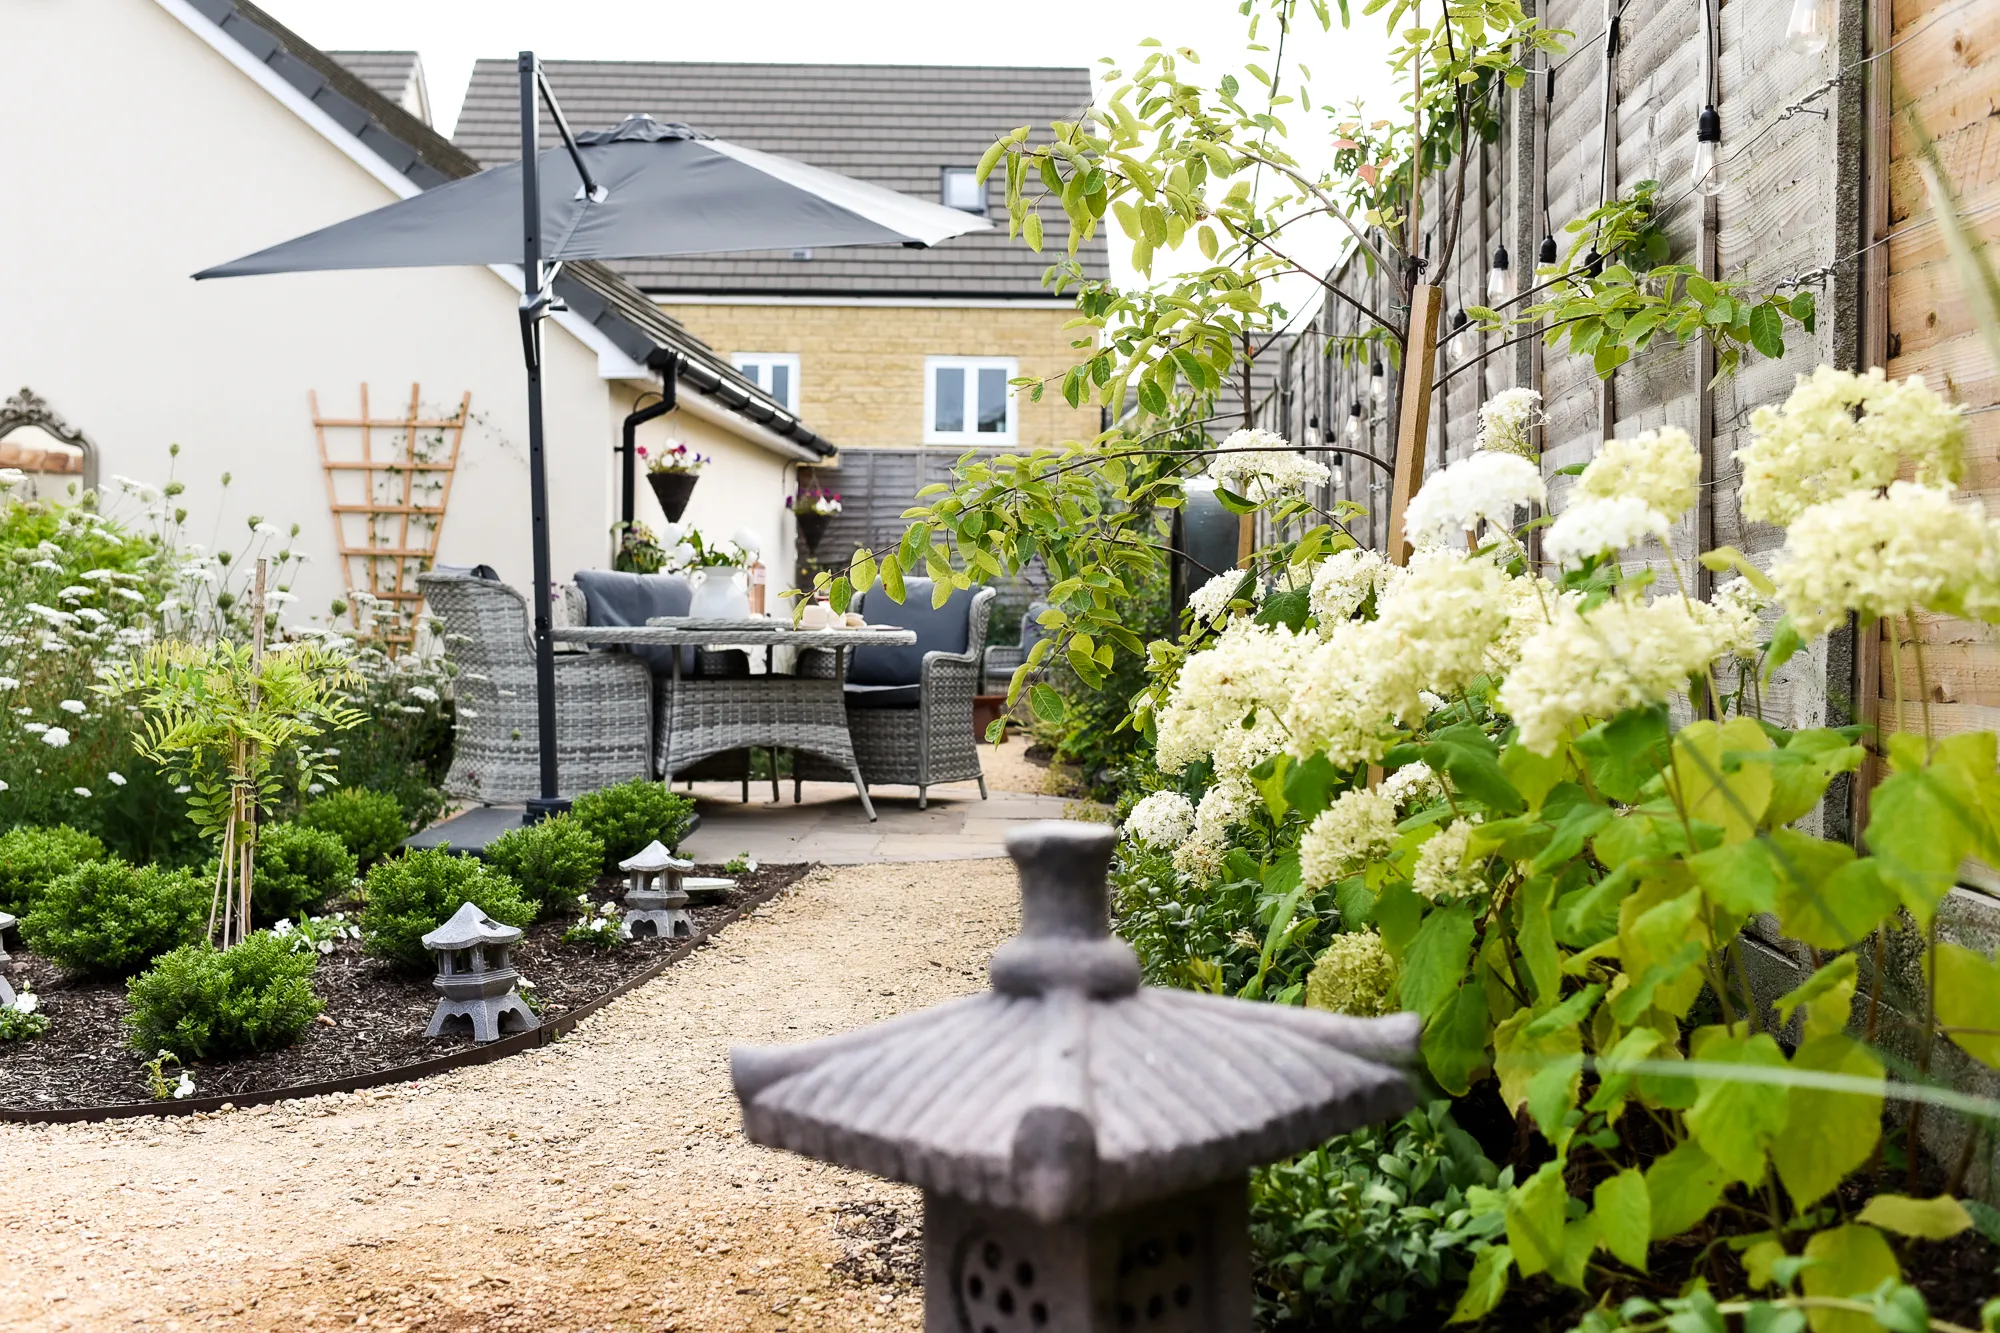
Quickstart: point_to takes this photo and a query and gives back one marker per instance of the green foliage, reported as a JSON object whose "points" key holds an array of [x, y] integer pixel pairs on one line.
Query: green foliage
{"points": [[1375, 1229], [552, 861], [298, 869], [30, 858], [405, 750], [1096, 733], [600, 927], [628, 816], [203, 1004], [414, 894], [111, 918], [15, 1025], [369, 823]]}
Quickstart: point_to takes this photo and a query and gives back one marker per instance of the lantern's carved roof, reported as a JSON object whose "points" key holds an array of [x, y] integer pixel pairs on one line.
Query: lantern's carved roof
{"points": [[1069, 1090], [653, 857], [470, 926]]}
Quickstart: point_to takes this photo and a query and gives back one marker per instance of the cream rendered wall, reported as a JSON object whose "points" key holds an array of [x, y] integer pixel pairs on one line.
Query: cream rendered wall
{"points": [[170, 159]]}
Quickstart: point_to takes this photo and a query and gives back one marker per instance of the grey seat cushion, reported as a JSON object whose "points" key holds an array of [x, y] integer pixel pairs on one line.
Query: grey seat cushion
{"points": [[943, 629], [884, 696], [633, 599]]}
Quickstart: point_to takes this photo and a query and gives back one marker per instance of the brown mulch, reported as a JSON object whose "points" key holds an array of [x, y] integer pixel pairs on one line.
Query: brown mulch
{"points": [[373, 1020]]}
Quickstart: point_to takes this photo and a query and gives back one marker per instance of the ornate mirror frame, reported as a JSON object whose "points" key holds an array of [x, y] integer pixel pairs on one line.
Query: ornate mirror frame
{"points": [[27, 408]]}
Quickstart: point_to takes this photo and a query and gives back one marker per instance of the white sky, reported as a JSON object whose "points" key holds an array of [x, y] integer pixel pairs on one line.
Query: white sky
{"points": [[451, 34]]}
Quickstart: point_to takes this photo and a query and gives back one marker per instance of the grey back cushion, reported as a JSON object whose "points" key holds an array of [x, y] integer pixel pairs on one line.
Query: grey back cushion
{"points": [[633, 599], [943, 629]]}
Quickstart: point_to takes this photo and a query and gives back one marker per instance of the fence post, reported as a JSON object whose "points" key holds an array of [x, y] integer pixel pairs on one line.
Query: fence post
{"points": [[1413, 425]]}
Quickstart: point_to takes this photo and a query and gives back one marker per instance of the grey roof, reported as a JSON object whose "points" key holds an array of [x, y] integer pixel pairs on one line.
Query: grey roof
{"points": [[397, 75], [593, 292], [893, 125]]}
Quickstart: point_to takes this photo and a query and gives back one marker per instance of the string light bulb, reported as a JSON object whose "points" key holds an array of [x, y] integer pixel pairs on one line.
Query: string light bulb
{"points": [[1378, 384], [1708, 153], [1811, 26], [1548, 251], [1312, 432], [1356, 426], [1500, 278], [1460, 340]]}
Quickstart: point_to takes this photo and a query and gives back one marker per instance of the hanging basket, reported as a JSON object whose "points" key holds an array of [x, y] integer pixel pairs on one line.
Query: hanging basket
{"points": [[812, 527], [672, 490]]}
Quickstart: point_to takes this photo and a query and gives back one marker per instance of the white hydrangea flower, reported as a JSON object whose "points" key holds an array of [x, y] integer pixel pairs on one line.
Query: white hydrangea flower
{"points": [[1347, 693], [1440, 871], [1840, 432], [1596, 526], [55, 737], [1359, 826], [1734, 612], [1913, 548], [1343, 582], [1245, 676], [1445, 614], [1355, 975], [1210, 601], [1660, 468], [1505, 420], [1412, 785], [1624, 654], [1162, 819], [1483, 487], [1222, 805], [1260, 465]]}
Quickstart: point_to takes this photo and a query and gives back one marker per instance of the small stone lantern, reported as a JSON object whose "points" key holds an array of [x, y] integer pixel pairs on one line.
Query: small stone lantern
{"points": [[7, 923], [475, 977], [654, 896], [1082, 1141]]}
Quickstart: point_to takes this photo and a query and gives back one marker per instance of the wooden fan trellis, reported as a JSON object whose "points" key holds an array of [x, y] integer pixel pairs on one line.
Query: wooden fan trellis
{"points": [[403, 489]]}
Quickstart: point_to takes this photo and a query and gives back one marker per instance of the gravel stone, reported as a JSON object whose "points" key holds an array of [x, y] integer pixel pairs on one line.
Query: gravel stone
{"points": [[601, 1183]]}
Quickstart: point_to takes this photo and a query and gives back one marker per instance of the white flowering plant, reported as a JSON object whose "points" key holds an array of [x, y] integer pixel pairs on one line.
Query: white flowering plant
{"points": [[1580, 807], [600, 925]]}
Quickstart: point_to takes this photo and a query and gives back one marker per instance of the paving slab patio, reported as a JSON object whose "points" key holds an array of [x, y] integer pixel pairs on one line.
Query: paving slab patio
{"points": [[828, 825]]}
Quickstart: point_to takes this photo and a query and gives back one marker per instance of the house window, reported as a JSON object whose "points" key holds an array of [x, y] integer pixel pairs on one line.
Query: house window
{"points": [[776, 373], [963, 189], [967, 401]]}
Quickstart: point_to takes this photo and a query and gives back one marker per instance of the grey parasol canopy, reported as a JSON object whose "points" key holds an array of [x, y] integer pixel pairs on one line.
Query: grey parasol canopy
{"points": [[662, 189], [1069, 1090]]}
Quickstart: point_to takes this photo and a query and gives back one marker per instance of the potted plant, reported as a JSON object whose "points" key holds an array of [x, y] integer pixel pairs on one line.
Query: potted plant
{"points": [[672, 474], [813, 509]]}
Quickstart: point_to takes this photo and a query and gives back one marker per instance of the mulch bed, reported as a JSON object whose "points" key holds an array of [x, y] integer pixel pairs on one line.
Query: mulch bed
{"points": [[374, 1017]]}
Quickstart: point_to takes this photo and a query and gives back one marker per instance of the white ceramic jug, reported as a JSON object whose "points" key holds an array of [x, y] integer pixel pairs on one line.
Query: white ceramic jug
{"points": [[718, 594]]}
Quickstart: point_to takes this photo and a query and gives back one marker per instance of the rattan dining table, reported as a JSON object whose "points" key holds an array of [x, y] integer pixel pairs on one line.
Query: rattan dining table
{"points": [[712, 715]]}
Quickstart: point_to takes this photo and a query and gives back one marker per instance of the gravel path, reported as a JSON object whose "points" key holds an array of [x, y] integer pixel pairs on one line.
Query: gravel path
{"points": [[599, 1183]]}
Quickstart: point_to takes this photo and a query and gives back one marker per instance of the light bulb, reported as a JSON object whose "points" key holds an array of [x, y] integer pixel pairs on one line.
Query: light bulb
{"points": [[1378, 384], [1500, 278], [1356, 427], [1312, 432], [1461, 341], [1811, 26], [1707, 168], [1548, 251]]}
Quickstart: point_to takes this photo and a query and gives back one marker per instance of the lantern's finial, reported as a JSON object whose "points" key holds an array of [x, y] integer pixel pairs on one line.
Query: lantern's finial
{"points": [[1065, 941]]}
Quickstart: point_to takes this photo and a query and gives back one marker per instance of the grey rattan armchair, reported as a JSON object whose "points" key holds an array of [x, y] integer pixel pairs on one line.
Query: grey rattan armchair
{"points": [[604, 701], [1002, 658]]}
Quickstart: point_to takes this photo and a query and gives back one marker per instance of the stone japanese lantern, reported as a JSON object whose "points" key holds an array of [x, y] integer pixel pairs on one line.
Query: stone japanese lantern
{"points": [[654, 896], [1082, 1141], [476, 978], [7, 923]]}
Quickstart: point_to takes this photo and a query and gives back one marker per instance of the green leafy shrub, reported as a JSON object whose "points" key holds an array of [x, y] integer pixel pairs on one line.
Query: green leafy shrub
{"points": [[416, 893], [111, 918], [1370, 1230], [628, 816], [298, 869], [552, 861], [30, 858], [370, 823], [202, 1003]]}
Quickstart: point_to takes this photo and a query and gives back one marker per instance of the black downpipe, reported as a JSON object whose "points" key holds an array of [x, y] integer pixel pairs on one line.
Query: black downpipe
{"points": [[669, 375]]}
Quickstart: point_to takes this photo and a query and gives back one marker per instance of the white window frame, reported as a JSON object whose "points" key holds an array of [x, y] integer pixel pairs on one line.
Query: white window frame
{"points": [[978, 186], [789, 360], [971, 365]]}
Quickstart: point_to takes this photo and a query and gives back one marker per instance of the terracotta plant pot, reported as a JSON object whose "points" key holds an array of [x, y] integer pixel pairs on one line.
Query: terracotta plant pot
{"points": [[812, 527], [672, 490]]}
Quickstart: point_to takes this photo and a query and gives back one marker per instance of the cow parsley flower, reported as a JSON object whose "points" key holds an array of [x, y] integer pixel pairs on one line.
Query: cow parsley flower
{"points": [[1441, 871], [1355, 975], [1342, 584], [1505, 420], [1260, 465], [72, 706], [1483, 487], [1162, 819], [1624, 654], [9, 683], [81, 791], [1359, 826], [1210, 602], [1913, 548], [1227, 703], [1840, 432], [55, 737], [1596, 526], [1445, 615], [1660, 468]]}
